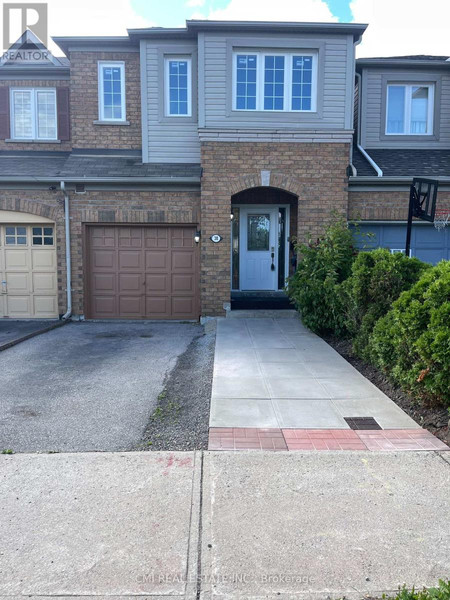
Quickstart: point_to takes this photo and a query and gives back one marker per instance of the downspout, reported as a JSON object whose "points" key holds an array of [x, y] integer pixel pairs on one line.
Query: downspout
{"points": [[68, 313], [358, 133]]}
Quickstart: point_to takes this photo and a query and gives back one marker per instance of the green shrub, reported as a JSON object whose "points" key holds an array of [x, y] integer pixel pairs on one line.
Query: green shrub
{"points": [[377, 279], [323, 265], [412, 341]]}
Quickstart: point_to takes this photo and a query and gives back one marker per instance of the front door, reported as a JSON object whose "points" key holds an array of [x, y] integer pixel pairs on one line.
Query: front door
{"points": [[259, 248]]}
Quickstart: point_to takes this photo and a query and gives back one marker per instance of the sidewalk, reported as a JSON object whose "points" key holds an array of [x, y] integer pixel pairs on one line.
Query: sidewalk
{"points": [[279, 386], [222, 525]]}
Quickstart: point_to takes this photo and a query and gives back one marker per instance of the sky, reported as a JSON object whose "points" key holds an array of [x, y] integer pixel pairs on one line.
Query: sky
{"points": [[396, 27]]}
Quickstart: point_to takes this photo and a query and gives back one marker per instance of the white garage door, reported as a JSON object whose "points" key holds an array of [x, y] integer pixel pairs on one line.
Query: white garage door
{"points": [[28, 274]]}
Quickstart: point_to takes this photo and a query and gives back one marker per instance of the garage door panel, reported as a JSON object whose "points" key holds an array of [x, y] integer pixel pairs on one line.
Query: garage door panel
{"points": [[158, 307], [182, 238], [18, 306], [130, 282], [44, 283], [182, 306], [103, 282], [155, 264], [104, 259], [182, 260], [43, 259], [16, 259], [2, 305], [104, 306], [130, 259], [45, 306], [157, 260], [103, 237], [130, 237], [183, 283], [156, 237], [18, 283], [130, 306], [157, 283]]}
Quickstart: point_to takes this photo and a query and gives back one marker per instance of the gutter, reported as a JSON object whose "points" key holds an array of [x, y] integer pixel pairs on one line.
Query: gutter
{"points": [[68, 313], [148, 180], [369, 159]]}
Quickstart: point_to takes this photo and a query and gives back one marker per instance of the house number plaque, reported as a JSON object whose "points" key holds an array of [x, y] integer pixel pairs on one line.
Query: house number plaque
{"points": [[216, 238]]}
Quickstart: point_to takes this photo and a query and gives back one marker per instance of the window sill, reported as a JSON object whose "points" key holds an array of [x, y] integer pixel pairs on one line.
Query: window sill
{"points": [[12, 141], [116, 123]]}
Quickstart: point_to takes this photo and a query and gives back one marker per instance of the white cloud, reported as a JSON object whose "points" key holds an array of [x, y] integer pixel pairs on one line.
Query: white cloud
{"points": [[195, 3], [91, 17], [273, 10], [402, 27]]}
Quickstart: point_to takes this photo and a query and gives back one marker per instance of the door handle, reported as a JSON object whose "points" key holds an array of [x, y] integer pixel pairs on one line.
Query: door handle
{"points": [[272, 255]]}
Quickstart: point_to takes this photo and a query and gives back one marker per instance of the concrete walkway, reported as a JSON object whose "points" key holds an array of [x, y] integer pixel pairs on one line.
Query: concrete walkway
{"points": [[222, 525], [275, 373]]}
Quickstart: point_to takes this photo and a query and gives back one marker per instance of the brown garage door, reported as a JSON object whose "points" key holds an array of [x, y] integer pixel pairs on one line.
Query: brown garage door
{"points": [[142, 272]]}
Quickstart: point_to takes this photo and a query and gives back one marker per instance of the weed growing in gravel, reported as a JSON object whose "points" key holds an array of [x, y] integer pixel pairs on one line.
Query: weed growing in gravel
{"points": [[8, 451]]}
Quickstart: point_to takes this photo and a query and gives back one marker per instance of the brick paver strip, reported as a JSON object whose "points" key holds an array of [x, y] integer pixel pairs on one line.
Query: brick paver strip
{"points": [[252, 438]]}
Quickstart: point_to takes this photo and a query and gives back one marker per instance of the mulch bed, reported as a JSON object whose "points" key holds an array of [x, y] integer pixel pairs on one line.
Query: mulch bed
{"points": [[435, 419]]}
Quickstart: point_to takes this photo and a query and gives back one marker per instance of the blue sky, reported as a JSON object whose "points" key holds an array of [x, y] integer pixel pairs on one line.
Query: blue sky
{"points": [[172, 13]]}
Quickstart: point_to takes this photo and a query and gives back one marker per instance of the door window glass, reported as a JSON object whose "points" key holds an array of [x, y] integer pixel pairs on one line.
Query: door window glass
{"points": [[258, 232]]}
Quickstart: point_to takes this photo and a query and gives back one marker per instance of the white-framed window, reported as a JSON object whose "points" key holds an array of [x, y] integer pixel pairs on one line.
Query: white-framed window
{"points": [[33, 114], [409, 109], [111, 91], [43, 236], [275, 81], [178, 86]]}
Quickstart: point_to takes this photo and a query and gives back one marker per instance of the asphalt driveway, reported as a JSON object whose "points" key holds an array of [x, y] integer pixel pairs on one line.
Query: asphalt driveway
{"points": [[86, 386]]}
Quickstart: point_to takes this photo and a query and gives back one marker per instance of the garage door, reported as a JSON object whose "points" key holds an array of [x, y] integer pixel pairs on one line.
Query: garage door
{"points": [[427, 243], [28, 276], [146, 272]]}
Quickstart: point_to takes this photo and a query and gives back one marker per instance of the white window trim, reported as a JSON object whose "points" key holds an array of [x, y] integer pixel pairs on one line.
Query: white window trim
{"points": [[101, 106], [288, 61], [34, 123], [167, 60], [407, 108]]}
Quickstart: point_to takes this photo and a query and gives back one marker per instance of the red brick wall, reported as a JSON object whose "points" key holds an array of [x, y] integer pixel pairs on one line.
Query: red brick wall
{"points": [[315, 172], [84, 102], [48, 146], [385, 206]]}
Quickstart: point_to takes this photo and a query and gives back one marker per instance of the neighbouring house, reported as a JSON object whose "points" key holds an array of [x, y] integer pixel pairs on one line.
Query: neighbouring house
{"points": [[162, 174], [402, 130]]}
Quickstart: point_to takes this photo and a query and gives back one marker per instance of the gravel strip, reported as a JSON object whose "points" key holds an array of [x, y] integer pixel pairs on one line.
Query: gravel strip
{"points": [[181, 418]]}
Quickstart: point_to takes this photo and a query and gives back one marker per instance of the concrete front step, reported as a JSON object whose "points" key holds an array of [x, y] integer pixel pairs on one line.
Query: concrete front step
{"points": [[262, 314]]}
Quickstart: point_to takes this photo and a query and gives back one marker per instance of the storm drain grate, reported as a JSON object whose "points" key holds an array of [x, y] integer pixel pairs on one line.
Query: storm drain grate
{"points": [[361, 423]]}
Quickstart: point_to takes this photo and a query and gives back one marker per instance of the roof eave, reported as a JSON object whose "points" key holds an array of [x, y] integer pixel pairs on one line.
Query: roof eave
{"points": [[401, 179], [92, 42], [148, 180]]}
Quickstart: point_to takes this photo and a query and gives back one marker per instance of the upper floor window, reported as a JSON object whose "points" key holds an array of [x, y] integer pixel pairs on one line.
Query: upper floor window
{"points": [[111, 92], [275, 81], [178, 86], [409, 109], [33, 114]]}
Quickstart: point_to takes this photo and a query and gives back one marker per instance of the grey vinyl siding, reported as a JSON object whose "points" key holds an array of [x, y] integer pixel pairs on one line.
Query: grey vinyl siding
{"points": [[170, 139], [373, 109], [335, 81]]}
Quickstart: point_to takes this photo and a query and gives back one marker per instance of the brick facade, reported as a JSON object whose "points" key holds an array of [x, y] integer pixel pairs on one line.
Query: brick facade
{"points": [[47, 146], [314, 172], [97, 207], [385, 205], [84, 102]]}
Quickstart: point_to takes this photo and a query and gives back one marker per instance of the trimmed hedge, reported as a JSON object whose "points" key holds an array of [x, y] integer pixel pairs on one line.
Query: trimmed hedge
{"points": [[412, 341], [377, 279]]}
